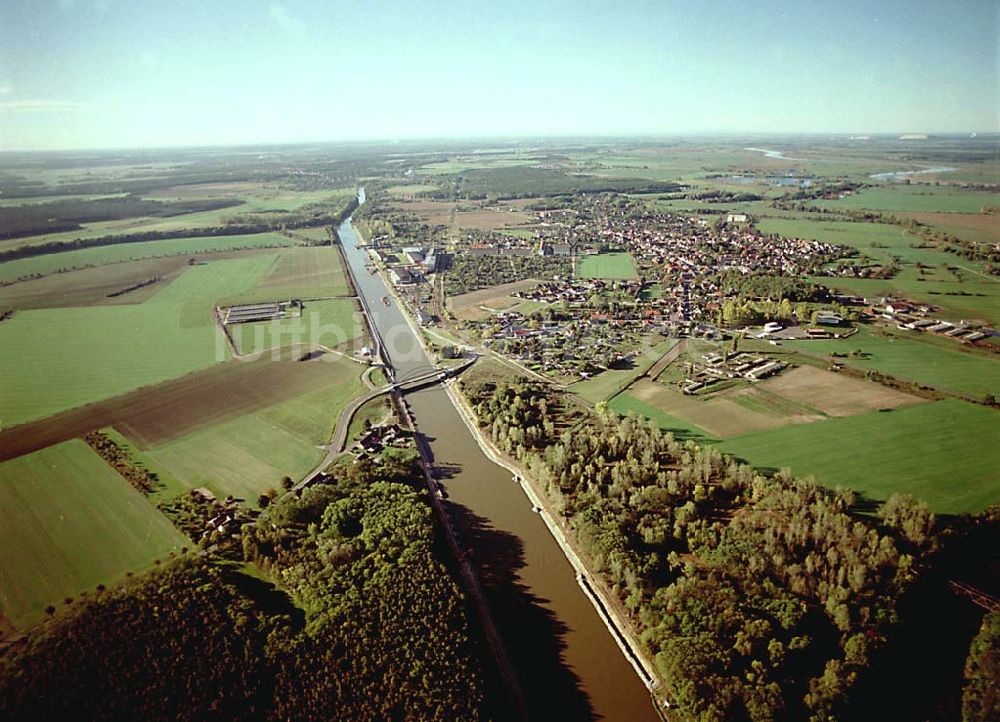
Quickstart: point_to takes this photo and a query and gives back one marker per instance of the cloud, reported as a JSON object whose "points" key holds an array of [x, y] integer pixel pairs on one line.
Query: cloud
{"points": [[41, 106], [6, 89], [285, 21]]}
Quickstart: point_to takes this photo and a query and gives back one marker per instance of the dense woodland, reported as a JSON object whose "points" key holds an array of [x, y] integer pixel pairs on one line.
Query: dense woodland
{"points": [[364, 623], [308, 216], [761, 598], [66, 215], [981, 701]]}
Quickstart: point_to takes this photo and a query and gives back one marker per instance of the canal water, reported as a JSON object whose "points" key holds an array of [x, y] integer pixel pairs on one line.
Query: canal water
{"points": [[568, 664]]}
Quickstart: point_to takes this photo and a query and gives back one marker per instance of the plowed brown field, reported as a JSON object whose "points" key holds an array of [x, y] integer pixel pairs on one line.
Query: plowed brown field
{"points": [[160, 413]]}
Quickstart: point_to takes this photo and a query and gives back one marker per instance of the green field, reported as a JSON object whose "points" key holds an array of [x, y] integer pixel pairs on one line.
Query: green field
{"points": [[67, 523], [918, 197], [327, 323], [56, 359], [55, 262], [318, 235], [933, 451], [608, 383], [625, 403], [879, 240], [962, 293], [959, 286], [924, 362], [410, 189], [246, 455], [692, 163], [300, 273], [606, 265], [461, 165], [258, 198]]}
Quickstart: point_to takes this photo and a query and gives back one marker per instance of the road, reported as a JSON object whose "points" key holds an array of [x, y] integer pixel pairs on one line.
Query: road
{"points": [[339, 439], [555, 653]]}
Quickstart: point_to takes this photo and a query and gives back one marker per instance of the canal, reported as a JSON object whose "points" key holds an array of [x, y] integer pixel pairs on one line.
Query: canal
{"points": [[568, 664]]}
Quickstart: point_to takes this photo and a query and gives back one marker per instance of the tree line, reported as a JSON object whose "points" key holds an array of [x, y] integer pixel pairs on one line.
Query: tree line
{"points": [[362, 621], [259, 223], [757, 597]]}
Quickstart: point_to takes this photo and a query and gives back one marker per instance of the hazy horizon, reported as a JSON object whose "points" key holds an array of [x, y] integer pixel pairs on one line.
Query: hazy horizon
{"points": [[529, 141], [99, 74]]}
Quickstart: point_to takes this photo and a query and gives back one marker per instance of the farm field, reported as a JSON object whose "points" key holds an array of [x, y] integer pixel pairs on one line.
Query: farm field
{"points": [[608, 383], [242, 457], [465, 215], [984, 171], [92, 286], [799, 395], [257, 199], [625, 403], [981, 227], [248, 454], [299, 273], [606, 265], [475, 305], [315, 235], [157, 414], [723, 414], [959, 286], [68, 522], [55, 359], [834, 394], [34, 200], [879, 240], [409, 190], [934, 451], [693, 162], [296, 272], [55, 262], [458, 165], [962, 292], [279, 200], [330, 323], [913, 360], [257, 196], [915, 198]]}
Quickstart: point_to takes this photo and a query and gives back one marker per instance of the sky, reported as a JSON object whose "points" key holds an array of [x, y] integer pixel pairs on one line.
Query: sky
{"points": [[160, 73]]}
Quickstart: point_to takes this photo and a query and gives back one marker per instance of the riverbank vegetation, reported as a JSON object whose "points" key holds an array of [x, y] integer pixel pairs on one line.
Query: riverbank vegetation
{"points": [[981, 697], [757, 597]]}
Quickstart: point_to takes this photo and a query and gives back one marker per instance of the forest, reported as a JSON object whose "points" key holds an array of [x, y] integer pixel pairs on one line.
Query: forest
{"points": [[981, 701], [758, 597], [66, 215], [309, 216], [342, 610]]}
